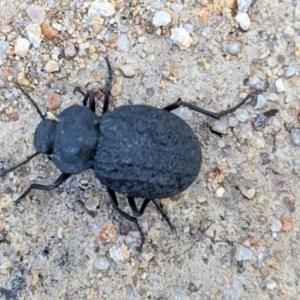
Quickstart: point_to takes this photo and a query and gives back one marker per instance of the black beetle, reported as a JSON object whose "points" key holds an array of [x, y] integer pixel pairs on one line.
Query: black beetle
{"points": [[136, 150]]}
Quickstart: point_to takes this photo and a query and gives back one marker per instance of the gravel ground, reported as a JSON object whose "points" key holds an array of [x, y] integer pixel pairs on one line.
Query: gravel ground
{"points": [[237, 226]]}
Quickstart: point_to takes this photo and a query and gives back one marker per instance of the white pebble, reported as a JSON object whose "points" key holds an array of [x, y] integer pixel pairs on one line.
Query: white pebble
{"points": [[105, 9], [59, 233], [177, 7], [123, 42], [289, 31], [271, 285], [290, 72], [101, 263], [220, 192], [243, 20], [115, 254], [161, 18], [242, 115], [22, 47], [34, 34], [128, 70], [233, 122], [295, 136], [243, 254], [279, 85], [52, 66], [276, 226], [36, 13], [234, 48], [57, 26], [272, 96], [181, 37], [261, 101], [189, 27], [220, 125], [221, 143]]}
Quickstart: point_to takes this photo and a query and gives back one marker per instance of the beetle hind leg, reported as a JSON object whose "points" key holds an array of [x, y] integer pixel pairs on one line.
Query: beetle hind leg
{"points": [[115, 202], [138, 213]]}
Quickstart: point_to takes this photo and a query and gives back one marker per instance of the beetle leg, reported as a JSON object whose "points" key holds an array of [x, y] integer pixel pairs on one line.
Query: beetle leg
{"points": [[115, 202], [164, 215], [138, 213], [108, 85], [90, 96], [61, 179], [208, 113]]}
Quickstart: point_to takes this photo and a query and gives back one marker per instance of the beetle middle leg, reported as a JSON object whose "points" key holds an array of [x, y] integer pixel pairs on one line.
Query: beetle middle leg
{"points": [[138, 213], [208, 113], [115, 202], [60, 180]]}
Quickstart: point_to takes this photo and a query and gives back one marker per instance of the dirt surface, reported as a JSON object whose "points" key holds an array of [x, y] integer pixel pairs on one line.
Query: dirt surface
{"points": [[237, 226]]}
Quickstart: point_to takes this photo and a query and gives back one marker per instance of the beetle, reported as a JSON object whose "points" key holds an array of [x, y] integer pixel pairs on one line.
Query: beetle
{"points": [[136, 150]]}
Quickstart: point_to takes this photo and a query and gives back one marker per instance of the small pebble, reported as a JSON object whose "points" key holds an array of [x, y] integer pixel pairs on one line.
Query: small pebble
{"points": [[272, 96], [177, 7], [242, 115], [92, 203], [128, 70], [22, 47], [220, 191], [181, 38], [59, 233], [53, 101], [261, 101], [248, 193], [287, 224], [116, 89], [289, 31], [276, 226], [51, 66], [101, 264], [243, 20], [279, 85], [105, 9], [48, 31], [243, 254], [34, 34], [70, 51], [208, 32], [234, 48], [233, 121], [123, 42], [161, 18], [36, 13], [261, 121], [271, 285], [115, 254], [295, 136], [220, 126], [290, 71]]}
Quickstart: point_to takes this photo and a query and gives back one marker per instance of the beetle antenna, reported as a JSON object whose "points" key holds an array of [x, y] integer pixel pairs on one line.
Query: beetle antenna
{"points": [[31, 100], [19, 165]]}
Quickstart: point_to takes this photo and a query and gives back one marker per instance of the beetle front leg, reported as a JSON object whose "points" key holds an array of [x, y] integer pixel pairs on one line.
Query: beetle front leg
{"points": [[61, 179], [115, 202]]}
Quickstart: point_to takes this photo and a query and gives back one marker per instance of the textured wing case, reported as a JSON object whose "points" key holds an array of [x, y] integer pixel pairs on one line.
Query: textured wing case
{"points": [[146, 152]]}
